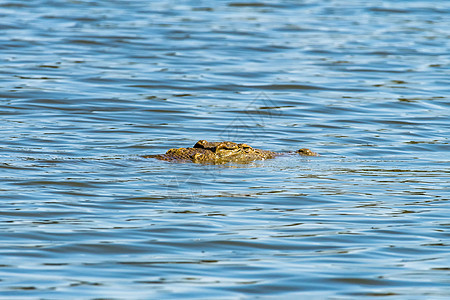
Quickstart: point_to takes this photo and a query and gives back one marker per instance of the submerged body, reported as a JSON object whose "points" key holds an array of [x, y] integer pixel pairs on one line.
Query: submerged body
{"points": [[221, 152]]}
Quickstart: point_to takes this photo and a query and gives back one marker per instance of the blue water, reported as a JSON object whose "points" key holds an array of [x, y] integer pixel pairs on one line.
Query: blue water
{"points": [[89, 87]]}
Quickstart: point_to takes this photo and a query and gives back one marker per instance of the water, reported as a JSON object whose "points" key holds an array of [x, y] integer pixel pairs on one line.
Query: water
{"points": [[88, 87]]}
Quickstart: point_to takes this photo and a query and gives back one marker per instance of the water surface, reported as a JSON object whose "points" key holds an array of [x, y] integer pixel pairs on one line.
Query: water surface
{"points": [[88, 87]]}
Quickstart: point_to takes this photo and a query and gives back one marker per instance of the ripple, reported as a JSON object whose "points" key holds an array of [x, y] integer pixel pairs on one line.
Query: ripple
{"points": [[89, 87]]}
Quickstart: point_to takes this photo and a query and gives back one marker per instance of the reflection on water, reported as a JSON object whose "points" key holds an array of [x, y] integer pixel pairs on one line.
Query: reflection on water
{"points": [[87, 88]]}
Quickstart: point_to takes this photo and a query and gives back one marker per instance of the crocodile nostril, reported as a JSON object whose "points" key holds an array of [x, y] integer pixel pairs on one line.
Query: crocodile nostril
{"points": [[307, 152]]}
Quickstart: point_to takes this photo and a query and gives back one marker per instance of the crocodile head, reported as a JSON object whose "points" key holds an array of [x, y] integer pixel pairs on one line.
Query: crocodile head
{"points": [[218, 146], [221, 152]]}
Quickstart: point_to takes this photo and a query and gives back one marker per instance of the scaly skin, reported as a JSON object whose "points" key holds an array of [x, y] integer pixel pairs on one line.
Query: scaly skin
{"points": [[221, 152]]}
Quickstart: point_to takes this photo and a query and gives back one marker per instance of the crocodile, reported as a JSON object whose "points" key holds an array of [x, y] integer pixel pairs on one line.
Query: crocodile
{"points": [[205, 152]]}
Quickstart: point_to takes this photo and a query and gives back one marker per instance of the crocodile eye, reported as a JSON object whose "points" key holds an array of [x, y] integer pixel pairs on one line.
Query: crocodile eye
{"points": [[200, 144]]}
